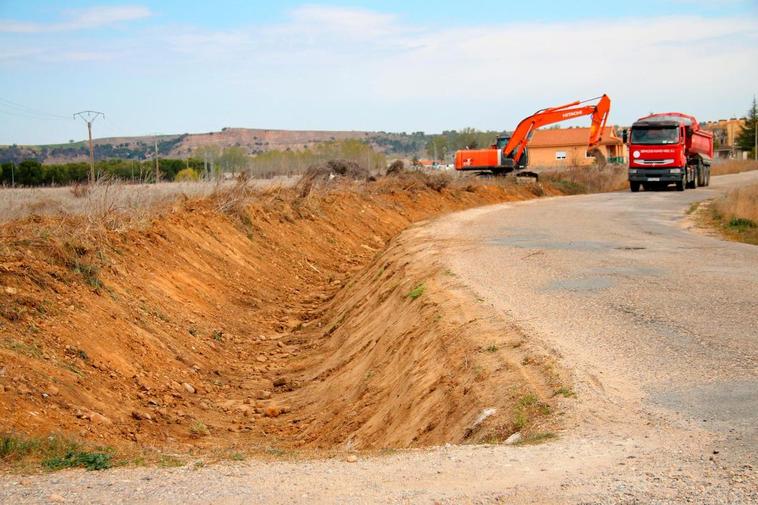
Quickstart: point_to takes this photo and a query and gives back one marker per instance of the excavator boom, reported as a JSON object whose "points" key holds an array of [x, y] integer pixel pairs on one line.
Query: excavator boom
{"points": [[509, 156]]}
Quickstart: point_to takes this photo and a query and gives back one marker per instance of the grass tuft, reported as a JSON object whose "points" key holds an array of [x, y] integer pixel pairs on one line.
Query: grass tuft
{"points": [[90, 273], [417, 291], [80, 459], [741, 224], [528, 407], [169, 461], [198, 429], [537, 438], [564, 392]]}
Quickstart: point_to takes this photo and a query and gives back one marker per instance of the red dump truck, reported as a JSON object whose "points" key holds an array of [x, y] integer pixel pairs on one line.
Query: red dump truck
{"points": [[668, 148]]}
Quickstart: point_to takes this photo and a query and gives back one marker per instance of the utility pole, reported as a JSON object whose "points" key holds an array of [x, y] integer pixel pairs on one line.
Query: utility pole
{"points": [[89, 116], [157, 169]]}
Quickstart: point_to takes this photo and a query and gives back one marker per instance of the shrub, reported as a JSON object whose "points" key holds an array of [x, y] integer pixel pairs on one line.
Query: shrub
{"points": [[396, 167], [187, 175]]}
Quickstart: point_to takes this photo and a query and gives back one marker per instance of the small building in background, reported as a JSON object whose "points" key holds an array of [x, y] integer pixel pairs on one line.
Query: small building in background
{"points": [[725, 133], [568, 147]]}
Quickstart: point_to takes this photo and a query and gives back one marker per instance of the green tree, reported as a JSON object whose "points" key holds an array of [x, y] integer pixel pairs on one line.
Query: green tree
{"points": [[170, 167], [6, 173], [437, 148], [210, 155], [234, 159], [29, 173], [746, 138]]}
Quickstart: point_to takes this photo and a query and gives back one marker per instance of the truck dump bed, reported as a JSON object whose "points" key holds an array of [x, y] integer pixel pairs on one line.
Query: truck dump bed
{"points": [[699, 142]]}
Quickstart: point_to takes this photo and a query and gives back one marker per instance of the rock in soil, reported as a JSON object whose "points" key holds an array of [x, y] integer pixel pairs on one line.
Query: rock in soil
{"points": [[513, 439]]}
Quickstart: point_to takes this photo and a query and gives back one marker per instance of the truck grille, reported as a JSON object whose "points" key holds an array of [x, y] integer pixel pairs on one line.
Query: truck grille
{"points": [[651, 163]]}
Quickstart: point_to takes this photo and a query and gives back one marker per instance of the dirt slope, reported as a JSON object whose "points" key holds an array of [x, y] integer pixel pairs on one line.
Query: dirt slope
{"points": [[272, 321]]}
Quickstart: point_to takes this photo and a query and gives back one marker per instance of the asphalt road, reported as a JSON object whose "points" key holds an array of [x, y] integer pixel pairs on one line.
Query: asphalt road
{"points": [[641, 306]]}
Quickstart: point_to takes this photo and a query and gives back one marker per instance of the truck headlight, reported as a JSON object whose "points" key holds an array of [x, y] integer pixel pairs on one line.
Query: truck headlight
{"points": [[675, 171], [632, 170]]}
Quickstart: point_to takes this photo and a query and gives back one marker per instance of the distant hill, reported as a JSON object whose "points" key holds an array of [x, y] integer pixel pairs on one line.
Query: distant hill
{"points": [[255, 141]]}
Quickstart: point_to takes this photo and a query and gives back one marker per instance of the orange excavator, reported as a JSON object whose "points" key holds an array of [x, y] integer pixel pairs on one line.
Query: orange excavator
{"points": [[509, 153]]}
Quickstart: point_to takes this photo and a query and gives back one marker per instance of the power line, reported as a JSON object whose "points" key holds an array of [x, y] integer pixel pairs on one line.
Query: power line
{"points": [[27, 115], [28, 110]]}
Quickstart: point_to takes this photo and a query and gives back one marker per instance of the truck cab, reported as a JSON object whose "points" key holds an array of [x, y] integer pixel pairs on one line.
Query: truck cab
{"points": [[668, 149]]}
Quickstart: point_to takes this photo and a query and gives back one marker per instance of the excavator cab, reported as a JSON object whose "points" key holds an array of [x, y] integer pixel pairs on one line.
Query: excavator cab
{"points": [[502, 141]]}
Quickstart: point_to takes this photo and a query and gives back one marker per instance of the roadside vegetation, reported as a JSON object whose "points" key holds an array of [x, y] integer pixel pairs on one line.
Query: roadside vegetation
{"points": [[32, 173], [588, 179], [736, 214], [733, 167], [52, 453]]}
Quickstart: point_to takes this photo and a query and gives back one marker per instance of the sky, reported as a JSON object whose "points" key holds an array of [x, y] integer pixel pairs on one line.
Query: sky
{"points": [[184, 67]]}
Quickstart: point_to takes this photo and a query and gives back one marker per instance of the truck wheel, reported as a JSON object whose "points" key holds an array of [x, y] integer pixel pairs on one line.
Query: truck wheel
{"points": [[691, 178], [634, 186], [700, 174], [707, 175], [680, 185]]}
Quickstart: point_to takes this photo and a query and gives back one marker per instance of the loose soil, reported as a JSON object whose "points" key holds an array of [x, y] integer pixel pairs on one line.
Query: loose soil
{"points": [[260, 324]]}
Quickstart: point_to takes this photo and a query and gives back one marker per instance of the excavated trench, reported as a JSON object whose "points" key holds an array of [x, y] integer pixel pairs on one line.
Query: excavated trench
{"points": [[274, 322]]}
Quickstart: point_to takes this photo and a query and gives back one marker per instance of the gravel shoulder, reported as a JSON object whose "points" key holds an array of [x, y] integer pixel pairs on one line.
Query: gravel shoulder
{"points": [[657, 324]]}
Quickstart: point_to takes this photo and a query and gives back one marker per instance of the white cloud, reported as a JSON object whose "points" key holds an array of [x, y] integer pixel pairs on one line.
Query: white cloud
{"points": [[397, 61], [329, 67], [79, 19], [357, 23]]}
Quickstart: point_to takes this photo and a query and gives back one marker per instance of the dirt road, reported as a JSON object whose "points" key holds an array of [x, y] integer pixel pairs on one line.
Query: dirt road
{"points": [[658, 324]]}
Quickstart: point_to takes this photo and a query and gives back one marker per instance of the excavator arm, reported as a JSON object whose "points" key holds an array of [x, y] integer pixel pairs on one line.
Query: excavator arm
{"points": [[523, 132]]}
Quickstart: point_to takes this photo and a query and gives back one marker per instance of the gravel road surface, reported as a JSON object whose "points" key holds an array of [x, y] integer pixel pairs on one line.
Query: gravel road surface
{"points": [[657, 323]]}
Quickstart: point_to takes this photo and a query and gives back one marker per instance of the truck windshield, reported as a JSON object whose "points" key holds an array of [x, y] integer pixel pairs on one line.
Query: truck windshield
{"points": [[655, 135]]}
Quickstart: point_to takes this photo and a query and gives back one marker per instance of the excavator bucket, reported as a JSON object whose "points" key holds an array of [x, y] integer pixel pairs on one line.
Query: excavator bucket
{"points": [[600, 158]]}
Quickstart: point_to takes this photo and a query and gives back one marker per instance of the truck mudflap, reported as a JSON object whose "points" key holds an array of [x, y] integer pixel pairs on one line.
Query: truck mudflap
{"points": [[655, 175]]}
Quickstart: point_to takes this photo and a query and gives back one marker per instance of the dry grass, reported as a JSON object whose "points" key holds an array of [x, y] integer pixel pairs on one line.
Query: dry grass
{"points": [[733, 166], [590, 179], [108, 197], [737, 214]]}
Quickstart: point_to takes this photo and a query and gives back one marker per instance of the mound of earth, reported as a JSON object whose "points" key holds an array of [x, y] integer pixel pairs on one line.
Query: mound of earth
{"points": [[275, 322]]}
